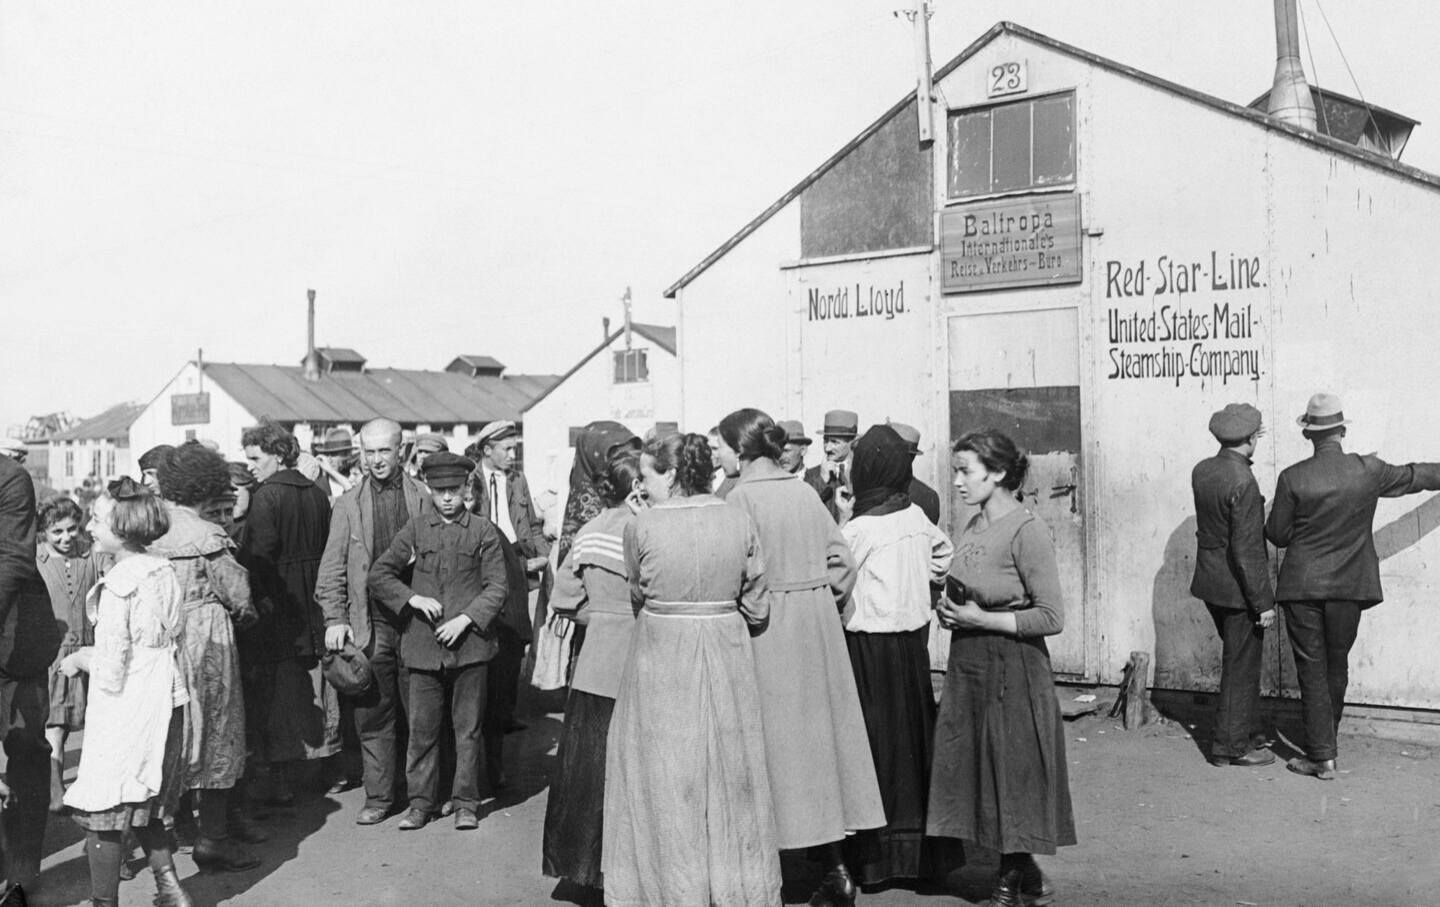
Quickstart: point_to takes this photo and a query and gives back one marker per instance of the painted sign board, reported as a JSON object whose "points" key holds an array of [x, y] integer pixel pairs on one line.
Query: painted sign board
{"points": [[1006, 79], [190, 409], [1014, 242]]}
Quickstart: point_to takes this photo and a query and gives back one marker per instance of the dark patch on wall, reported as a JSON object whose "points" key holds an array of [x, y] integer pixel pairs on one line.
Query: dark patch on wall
{"points": [[877, 197], [1038, 419]]}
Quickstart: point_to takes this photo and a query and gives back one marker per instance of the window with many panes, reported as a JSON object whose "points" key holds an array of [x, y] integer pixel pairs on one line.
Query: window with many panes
{"points": [[110, 463], [631, 367], [1014, 147]]}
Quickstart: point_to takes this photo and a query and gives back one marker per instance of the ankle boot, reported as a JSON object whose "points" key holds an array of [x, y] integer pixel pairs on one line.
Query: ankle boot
{"points": [[168, 892], [837, 889], [220, 855], [1035, 887], [1007, 890], [57, 786]]}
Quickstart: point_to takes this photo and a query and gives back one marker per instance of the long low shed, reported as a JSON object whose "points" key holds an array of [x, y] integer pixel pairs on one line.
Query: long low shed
{"points": [[1095, 259]]}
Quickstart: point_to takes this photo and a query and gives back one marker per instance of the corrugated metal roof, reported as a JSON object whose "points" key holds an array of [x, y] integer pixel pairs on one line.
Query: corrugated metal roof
{"points": [[405, 395], [114, 422]]}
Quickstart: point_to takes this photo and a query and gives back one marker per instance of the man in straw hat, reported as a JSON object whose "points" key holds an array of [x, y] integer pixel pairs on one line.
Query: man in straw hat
{"points": [[1324, 515], [1232, 578]]}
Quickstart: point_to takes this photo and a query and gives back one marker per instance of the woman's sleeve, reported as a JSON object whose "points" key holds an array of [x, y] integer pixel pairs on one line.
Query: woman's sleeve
{"points": [[840, 566], [568, 597], [230, 582], [632, 564], [942, 553], [1034, 554], [111, 658], [754, 593]]}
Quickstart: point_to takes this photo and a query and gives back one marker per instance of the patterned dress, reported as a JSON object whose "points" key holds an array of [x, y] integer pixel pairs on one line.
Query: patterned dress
{"points": [[688, 819], [215, 590], [68, 580]]}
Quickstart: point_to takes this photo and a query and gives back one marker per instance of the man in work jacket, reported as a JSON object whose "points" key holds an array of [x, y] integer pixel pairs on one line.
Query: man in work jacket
{"points": [[1324, 514], [364, 522], [1232, 578]]}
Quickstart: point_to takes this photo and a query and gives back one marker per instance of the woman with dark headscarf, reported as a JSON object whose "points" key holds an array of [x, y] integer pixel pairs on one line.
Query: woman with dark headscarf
{"points": [[592, 452], [900, 556]]}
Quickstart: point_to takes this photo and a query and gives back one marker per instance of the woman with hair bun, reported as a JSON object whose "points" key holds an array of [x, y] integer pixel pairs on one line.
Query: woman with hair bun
{"points": [[687, 797], [592, 587], [216, 592], [999, 777], [822, 774]]}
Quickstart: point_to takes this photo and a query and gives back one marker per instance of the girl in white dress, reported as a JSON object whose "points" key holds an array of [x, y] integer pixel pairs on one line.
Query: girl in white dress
{"points": [[132, 763]]}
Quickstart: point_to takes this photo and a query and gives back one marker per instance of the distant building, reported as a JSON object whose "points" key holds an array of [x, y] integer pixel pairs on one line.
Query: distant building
{"points": [[96, 449], [218, 400], [631, 377], [36, 434]]}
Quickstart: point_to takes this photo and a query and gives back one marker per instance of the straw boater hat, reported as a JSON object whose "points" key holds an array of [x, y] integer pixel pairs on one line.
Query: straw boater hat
{"points": [[1236, 422], [1322, 413], [794, 431], [840, 423]]}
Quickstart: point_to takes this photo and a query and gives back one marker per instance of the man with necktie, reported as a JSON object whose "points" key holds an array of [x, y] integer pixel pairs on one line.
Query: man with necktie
{"points": [[832, 475]]}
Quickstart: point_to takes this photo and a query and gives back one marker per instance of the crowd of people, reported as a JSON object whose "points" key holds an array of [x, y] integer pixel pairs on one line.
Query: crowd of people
{"points": [[748, 670]]}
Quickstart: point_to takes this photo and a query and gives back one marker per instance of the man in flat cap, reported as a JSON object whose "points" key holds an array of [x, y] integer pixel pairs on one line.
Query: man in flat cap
{"points": [[792, 455], [1324, 516], [922, 495], [832, 475], [499, 492], [1232, 578], [364, 522], [425, 444], [448, 613]]}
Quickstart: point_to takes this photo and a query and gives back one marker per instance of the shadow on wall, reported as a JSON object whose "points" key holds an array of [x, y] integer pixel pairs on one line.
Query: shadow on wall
{"points": [[1187, 649]]}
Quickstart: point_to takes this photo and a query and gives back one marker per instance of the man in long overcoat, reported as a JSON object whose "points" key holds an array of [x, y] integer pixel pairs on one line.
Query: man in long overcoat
{"points": [[1324, 515], [1232, 578], [29, 639], [364, 522], [291, 712]]}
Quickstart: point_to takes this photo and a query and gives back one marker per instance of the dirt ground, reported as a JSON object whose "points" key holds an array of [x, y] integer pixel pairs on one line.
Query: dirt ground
{"points": [[1157, 825]]}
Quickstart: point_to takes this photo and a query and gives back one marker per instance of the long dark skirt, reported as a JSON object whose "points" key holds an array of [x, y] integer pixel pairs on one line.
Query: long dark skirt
{"points": [[575, 811], [999, 777], [892, 676]]}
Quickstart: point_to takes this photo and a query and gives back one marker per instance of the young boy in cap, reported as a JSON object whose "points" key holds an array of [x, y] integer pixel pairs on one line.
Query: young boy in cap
{"points": [[1232, 578], [447, 635]]}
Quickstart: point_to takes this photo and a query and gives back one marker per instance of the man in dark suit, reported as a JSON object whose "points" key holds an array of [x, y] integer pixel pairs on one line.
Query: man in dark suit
{"points": [[921, 495], [29, 640], [500, 493], [833, 473], [1232, 578], [1324, 516], [364, 522]]}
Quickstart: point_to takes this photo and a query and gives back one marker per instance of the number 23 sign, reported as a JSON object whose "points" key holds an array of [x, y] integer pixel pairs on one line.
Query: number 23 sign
{"points": [[1006, 78]]}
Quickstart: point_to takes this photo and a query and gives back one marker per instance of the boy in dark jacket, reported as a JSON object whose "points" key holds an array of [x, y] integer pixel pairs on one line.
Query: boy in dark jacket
{"points": [[446, 640]]}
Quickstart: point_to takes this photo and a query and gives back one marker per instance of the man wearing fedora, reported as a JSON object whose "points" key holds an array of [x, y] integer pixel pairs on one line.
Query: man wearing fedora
{"points": [[797, 443], [1324, 516], [921, 495], [1232, 578], [833, 473], [335, 453], [500, 493], [363, 524]]}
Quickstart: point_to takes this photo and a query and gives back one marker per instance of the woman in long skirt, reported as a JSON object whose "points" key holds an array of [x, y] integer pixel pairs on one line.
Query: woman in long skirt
{"points": [[593, 587], [900, 556], [688, 821], [216, 592], [999, 778], [132, 763], [821, 771]]}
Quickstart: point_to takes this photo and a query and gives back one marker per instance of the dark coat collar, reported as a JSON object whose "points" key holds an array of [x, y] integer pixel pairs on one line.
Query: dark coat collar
{"points": [[289, 476]]}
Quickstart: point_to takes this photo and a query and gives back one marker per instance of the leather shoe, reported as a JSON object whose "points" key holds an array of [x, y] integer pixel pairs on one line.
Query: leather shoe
{"points": [[1035, 887], [1251, 759], [1324, 769], [341, 785], [414, 818], [371, 815], [447, 808], [213, 855], [465, 819]]}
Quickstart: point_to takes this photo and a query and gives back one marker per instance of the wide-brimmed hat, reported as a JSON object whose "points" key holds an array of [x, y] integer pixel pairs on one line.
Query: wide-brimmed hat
{"points": [[1322, 413], [840, 423], [337, 441], [1236, 422], [348, 671], [794, 431], [908, 433]]}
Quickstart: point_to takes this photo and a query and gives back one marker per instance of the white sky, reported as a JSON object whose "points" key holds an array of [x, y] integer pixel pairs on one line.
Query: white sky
{"points": [[480, 177]]}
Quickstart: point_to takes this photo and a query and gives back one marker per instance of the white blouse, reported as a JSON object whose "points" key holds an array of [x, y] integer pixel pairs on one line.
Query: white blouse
{"points": [[899, 555]]}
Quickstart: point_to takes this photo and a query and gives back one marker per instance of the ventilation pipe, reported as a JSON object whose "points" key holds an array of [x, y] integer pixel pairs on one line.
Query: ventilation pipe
{"points": [[1290, 99], [312, 359]]}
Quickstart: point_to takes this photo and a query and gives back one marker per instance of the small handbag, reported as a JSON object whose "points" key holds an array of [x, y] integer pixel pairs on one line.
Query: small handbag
{"points": [[552, 653]]}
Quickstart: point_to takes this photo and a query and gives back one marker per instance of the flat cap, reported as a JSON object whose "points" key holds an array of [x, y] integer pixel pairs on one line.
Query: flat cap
{"points": [[430, 441], [446, 470], [498, 430], [1236, 422]]}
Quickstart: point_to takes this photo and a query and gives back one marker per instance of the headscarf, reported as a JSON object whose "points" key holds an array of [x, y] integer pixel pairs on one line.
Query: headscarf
{"points": [[881, 472], [592, 452]]}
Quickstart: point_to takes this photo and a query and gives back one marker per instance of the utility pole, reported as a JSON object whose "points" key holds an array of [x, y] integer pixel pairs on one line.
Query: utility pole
{"points": [[919, 18]]}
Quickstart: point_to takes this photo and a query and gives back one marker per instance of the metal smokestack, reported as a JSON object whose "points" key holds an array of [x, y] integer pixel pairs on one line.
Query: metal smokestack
{"points": [[312, 359], [1290, 95]]}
